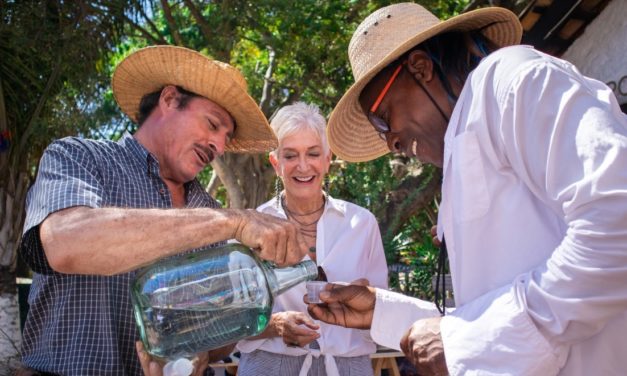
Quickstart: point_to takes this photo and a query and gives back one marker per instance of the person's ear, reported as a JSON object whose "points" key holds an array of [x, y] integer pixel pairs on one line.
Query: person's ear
{"points": [[420, 65], [273, 157], [169, 98]]}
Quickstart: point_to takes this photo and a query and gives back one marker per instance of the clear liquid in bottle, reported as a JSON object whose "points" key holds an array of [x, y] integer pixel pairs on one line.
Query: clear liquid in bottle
{"points": [[206, 300]]}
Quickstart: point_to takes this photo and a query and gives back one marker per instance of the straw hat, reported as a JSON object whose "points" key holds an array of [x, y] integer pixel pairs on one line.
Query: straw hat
{"points": [[149, 69], [383, 37]]}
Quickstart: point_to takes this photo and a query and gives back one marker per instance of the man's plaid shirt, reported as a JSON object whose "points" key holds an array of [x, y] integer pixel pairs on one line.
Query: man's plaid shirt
{"points": [[84, 324]]}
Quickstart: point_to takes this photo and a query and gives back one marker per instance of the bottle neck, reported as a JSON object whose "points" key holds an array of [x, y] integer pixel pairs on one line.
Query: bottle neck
{"points": [[282, 279]]}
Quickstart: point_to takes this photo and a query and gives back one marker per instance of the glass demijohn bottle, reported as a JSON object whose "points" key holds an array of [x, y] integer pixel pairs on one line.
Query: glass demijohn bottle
{"points": [[200, 301]]}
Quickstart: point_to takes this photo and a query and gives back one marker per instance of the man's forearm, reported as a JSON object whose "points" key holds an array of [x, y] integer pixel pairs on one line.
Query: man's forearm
{"points": [[108, 241]]}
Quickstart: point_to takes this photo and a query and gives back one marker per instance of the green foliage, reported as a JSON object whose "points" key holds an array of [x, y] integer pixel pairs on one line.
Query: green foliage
{"points": [[310, 39], [363, 183], [51, 68], [446, 8], [417, 256]]}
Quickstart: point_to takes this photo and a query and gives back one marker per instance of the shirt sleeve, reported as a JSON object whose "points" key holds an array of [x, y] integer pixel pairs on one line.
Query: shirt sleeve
{"points": [[394, 314], [68, 176], [572, 156]]}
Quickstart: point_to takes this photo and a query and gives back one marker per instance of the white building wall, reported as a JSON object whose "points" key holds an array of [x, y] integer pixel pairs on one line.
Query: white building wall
{"points": [[601, 50]]}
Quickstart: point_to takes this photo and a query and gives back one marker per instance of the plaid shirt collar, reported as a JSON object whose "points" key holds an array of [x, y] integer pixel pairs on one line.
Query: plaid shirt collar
{"points": [[150, 163]]}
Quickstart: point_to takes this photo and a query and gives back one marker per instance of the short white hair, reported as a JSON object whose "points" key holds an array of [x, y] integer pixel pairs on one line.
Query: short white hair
{"points": [[297, 117]]}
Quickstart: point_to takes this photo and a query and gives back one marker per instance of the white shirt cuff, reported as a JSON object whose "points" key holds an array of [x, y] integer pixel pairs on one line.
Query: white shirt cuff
{"points": [[394, 314]]}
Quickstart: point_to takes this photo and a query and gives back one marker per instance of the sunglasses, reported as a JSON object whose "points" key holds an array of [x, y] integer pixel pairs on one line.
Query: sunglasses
{"points": [[380, 125]]}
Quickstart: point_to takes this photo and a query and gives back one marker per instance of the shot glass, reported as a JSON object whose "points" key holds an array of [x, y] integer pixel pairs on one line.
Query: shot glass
{"points": [[313, 291]]}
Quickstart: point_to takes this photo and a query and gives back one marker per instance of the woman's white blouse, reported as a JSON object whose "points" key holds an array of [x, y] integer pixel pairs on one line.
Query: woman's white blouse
{"points": [[348, 247]]}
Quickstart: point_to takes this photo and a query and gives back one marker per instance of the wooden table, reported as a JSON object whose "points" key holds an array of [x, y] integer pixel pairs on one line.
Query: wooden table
{"points": [[229, 368], [385, 358]]}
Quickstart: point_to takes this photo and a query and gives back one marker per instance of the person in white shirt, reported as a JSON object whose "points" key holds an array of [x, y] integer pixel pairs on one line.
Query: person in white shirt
{"points": [[534, 195], [343, 239]]}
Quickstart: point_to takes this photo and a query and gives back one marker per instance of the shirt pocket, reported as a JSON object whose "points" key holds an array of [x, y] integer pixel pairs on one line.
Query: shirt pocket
{"points": [[470, 189]]}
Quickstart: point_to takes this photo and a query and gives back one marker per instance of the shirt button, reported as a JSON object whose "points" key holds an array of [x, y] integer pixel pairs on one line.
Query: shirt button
{"points": [[162, 191]]}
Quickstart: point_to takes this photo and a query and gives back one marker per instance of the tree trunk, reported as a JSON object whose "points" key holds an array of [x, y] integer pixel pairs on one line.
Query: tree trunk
{"points": [[12, 197], [414, 194], [247, 179], [14, 183]]}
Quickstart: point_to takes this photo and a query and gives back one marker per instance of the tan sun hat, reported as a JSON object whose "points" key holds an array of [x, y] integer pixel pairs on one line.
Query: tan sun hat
{"points": [[149, 69], [383, 37]]}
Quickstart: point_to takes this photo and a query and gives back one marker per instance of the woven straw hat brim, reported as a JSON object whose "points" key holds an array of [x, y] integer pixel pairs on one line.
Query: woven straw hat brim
{"points": [[351, 137], [149, 69]]}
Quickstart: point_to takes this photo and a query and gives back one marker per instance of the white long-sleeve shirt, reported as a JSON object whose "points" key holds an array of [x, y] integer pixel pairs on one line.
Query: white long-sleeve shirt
{"points": [[348, 247], [534, 209]]}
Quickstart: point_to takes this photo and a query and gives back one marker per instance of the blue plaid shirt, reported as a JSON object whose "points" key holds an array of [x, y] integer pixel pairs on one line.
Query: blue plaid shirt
{"points": [[84, 324]]}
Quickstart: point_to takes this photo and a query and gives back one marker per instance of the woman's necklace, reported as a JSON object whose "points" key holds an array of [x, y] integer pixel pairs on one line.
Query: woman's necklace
{"points": [[307, 229], [302, 214]]}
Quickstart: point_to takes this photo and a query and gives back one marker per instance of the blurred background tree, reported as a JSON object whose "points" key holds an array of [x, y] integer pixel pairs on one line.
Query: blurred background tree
{"points": [[55, 67]]}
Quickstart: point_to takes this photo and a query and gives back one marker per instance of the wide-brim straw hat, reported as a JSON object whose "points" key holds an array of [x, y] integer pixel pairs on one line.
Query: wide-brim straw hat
{"points": [[149, 69], [383, 37]]}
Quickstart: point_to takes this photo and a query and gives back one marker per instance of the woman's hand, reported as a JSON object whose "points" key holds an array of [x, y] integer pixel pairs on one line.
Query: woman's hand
{"points": [[154, 367], [296, 328]]}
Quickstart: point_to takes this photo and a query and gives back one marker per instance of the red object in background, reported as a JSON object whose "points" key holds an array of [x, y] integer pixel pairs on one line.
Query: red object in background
{"points": [[5, 140]]}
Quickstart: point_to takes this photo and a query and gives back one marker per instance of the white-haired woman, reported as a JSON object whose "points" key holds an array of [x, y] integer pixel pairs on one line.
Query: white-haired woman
{"points": [[343, 239]]}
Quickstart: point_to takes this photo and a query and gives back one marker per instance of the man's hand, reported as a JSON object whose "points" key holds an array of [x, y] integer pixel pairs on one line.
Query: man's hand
{"points": [[350, 306], [154, 367], [422, 345], [277, 240], [293, 327]]}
